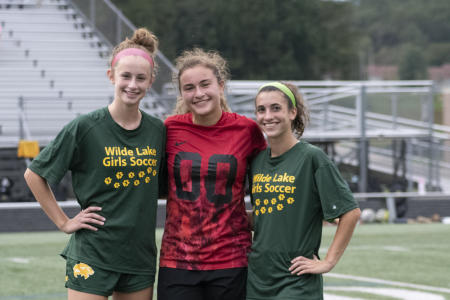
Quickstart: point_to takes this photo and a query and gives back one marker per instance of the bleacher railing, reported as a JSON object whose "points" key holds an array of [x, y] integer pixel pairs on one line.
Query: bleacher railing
{"points": [[112, 26], [359, 111]]}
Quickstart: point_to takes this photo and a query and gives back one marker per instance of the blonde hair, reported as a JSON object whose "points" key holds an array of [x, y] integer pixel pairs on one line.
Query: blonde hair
{"points": [[211, 60], [302, 118], [141, 39]]}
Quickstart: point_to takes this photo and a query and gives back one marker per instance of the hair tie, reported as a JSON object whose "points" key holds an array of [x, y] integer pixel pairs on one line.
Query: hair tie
{"points": [[132, 51], [283, 88]]}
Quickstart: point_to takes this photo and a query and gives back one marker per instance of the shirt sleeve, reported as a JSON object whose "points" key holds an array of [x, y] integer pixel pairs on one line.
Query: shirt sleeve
{"points": [[55, 159], [335, 195]]}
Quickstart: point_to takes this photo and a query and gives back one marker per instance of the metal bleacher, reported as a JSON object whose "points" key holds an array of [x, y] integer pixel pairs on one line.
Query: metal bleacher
{"points": [[53, 63], [48, 58], [383, 126]]}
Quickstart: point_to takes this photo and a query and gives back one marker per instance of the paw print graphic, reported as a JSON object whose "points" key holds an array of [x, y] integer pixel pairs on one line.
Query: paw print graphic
{"points": [[263, 210], [126, 183], [257, 212], [147, 179], [149, 170], [131, 175], [273, 201], [119, 175], [108, 180], [141, 174], [116, 185], [266, 201], [136, 182], [270, 210], [154, 172], [280, 206], [257, 202], [290, 200], [281, 197]]}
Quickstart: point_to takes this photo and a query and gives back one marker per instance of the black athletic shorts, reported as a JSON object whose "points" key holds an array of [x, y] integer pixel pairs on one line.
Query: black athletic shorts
{"points": [[224, 284]]}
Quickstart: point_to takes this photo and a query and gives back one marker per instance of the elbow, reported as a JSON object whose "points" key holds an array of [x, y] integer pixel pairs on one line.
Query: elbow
{"points": [[31, 177], [27, 175]]}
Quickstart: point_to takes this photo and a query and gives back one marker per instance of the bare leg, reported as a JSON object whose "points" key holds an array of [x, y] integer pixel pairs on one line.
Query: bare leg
{"points": [[146, 294], [76, 295]]}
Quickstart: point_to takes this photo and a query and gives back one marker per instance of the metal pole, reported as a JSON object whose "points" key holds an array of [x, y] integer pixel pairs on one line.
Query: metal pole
{"points": [[363, 151], [390, 204], [394, 106], [92, 12], [118, 29], [430, 112]]}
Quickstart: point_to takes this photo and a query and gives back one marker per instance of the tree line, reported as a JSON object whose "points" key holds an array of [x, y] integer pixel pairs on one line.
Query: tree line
{"points": [[303, 39]]}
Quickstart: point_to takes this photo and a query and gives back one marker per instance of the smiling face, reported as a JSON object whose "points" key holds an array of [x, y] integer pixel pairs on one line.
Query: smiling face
{"points": [[201, 92], [131, 77], [273, 114]]}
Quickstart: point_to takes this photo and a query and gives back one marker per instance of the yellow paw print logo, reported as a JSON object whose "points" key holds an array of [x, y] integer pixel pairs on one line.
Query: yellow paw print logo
{"points": [[116, 185], [149, 170], [119, 175], [273, 201], [257, 212], [270, 210], [281, 197], [131, 175], [126, 182], [141, 174], [280, 206], [136, 182], [147, 179], [154, 172], [266, 201], [263, 210], [108, 180], [257, 202], [290, 200]]}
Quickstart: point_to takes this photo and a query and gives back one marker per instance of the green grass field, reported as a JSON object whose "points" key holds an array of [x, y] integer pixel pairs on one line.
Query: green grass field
{"points": [[382, 262]]}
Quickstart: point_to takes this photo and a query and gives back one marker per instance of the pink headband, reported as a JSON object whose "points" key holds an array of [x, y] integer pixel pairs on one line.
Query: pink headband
{"points": [[132, 51]]}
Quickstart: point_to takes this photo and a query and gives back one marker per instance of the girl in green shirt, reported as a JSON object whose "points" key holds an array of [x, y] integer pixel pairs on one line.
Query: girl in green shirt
{"points": [[114, 154], [294, 187]]}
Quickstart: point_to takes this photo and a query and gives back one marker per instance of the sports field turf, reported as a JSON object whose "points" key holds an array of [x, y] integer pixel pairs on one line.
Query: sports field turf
{"points": [[382, 262]]}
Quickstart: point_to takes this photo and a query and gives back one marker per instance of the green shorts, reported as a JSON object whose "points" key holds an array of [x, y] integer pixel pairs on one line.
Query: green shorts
{"points": [[93, 280]]}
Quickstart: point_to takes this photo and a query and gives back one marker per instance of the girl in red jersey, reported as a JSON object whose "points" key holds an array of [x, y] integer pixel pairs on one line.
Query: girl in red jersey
{"points": [[206, 236]]}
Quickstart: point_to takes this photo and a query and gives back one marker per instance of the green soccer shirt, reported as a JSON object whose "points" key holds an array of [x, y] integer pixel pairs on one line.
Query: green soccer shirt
{"points": [[115, 169], [291, 195]]}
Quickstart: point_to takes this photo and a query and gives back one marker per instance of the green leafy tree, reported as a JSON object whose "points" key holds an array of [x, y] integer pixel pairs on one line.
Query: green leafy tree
{"points": [[262, 39], [412, 64]]}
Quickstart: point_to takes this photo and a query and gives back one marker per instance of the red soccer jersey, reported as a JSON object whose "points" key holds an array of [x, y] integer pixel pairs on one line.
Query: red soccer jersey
{"points": [[206, 223]]}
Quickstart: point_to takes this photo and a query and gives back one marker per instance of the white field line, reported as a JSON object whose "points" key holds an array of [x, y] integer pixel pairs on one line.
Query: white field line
{"points": [[389, 282], [389, 292], [327, 296]]}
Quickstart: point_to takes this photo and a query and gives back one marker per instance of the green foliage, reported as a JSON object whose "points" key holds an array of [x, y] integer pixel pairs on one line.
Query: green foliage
{"points": [[391, 25], [412, 64], [262, 39], [302, 40]]}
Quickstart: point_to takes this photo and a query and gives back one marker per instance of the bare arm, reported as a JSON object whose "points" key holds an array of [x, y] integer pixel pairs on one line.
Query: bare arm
{"points": [[347, 223], [44, 195]]}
